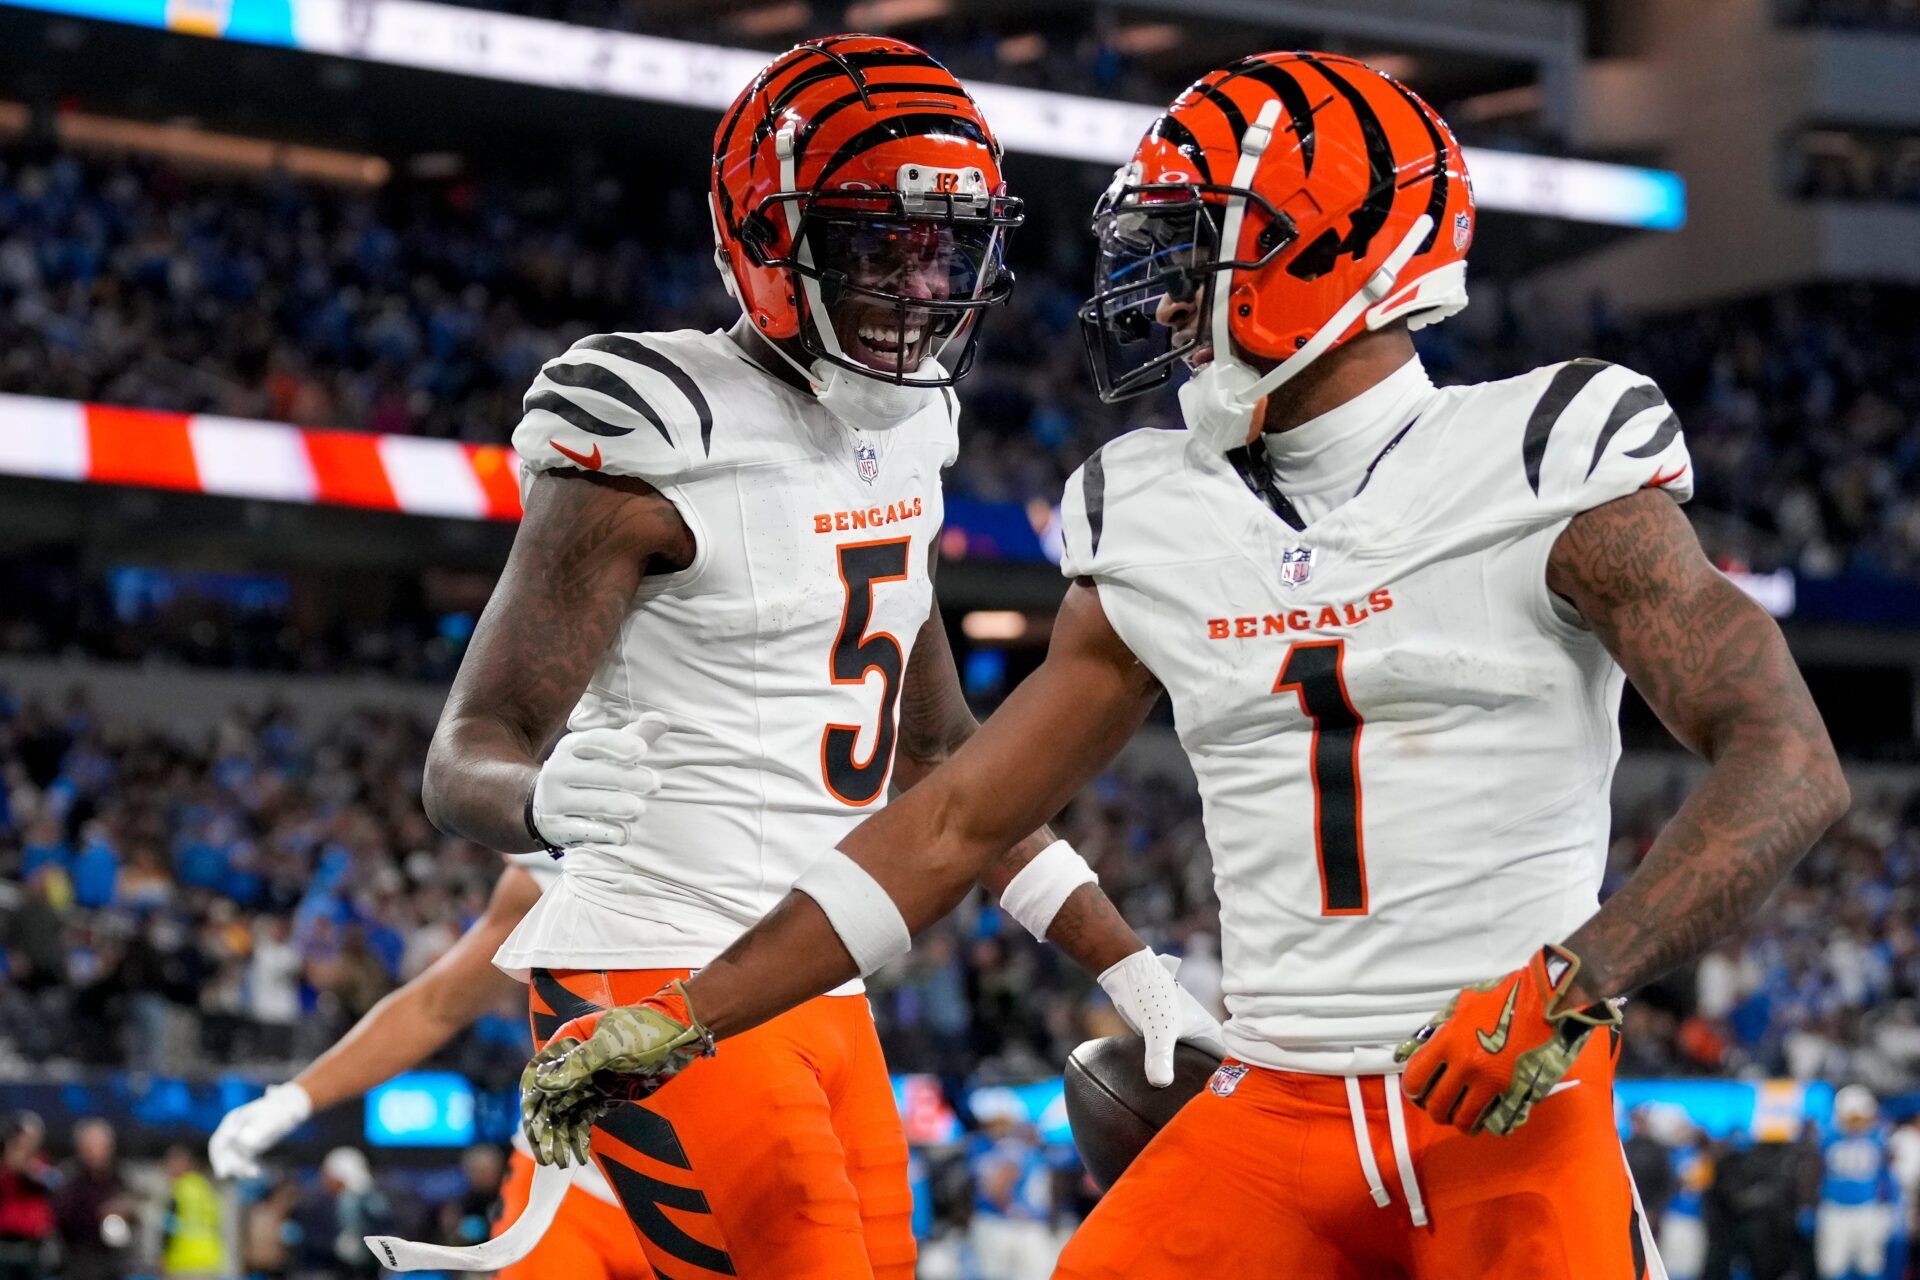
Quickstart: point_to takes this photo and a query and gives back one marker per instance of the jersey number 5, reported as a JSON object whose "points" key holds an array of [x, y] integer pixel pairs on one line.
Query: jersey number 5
{"points": [[1312, 672], [855, 655]]}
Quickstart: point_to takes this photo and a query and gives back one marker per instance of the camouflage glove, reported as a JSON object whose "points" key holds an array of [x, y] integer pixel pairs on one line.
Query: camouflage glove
{"points": [[602, 1058], [1501, 1046]]}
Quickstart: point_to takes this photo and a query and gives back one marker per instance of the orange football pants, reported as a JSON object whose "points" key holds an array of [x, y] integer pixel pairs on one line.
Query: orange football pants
{"points": [[589, 1239], [1262, 1175], [779, 1158]]}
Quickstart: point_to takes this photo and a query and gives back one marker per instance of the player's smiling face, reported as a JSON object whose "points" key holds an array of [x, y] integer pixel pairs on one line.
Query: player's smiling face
{"points": [[907, 261]]}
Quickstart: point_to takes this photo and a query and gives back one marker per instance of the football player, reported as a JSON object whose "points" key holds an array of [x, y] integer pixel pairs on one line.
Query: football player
{"points": [[1393, 621], [589, 1238], [723, 590]]}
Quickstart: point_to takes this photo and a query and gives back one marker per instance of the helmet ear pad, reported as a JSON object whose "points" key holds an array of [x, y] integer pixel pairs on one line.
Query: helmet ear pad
{"points": [[769, 295]]}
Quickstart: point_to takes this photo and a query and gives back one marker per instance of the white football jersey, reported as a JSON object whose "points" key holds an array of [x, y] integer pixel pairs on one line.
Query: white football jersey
{"points": [[1404, 741], [777, 657]]}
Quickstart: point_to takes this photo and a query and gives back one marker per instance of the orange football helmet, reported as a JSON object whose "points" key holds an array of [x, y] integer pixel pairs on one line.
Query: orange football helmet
{"points": [[1296, 199], [859, 209]]}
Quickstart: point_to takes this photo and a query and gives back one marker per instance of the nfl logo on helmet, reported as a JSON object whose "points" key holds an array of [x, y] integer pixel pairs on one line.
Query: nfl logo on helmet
{"points": [[1296, 565], [869, 462]]}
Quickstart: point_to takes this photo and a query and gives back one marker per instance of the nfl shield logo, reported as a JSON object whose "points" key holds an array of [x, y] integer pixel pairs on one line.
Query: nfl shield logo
{"points": [[1296, 565], [869, 461], [1226, 1078], [1462, 228]]}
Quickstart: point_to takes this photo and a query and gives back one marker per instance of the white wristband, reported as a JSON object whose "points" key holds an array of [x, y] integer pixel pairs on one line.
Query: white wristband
{"points": [[868, 922], [1035, 895]]}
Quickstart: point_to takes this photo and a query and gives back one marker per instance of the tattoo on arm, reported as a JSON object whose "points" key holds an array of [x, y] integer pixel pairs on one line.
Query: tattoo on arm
{"points": [[1716, 669], [581, 551]]}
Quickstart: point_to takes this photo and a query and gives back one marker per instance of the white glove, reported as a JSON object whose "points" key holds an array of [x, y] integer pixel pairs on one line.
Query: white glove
{"points": [[594, 786], [246, 1132], [1160, 1010]]}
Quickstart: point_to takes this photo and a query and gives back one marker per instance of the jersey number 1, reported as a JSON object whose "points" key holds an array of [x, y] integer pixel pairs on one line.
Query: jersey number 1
{"points": [[855, 654], [1312, 672]]}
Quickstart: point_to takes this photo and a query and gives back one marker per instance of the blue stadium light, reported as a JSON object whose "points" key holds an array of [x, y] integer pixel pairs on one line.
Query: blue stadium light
{"points": [[421, 1109], [561, 55]]}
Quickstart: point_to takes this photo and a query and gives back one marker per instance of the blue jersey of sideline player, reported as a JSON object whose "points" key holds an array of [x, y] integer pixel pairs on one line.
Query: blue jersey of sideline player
{"points": [[1857, 1197]]}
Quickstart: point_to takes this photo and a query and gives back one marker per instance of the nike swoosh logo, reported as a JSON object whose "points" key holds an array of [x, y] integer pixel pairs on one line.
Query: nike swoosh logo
{"points": [[1563, 1086], [1502, 1029], [591, 461]]}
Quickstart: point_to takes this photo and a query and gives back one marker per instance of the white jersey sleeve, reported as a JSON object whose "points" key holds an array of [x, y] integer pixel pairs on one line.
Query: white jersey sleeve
{"points": [[1107, 509], [617, 403], [1598, 432]]}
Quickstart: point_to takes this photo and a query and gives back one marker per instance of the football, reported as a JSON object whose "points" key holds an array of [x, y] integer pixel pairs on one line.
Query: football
{"points": [[1114, 1112]]}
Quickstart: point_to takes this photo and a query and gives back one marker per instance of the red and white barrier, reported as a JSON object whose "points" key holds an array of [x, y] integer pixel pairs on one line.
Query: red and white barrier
{"points": [[235, 457]]}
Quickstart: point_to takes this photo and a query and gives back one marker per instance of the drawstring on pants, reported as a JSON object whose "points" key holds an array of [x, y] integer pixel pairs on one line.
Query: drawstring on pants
{"points": [[1402, 1152]]}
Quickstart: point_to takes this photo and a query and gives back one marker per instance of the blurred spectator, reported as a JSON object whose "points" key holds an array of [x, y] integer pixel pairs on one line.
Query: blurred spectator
{"points": [[193, 1235], [426, 307], [335, 1215], [26, 1199], [268, 1232], [93, 1207], [468, 1219], [1682, 1232], [1650, 1163], [1013, 1192]]}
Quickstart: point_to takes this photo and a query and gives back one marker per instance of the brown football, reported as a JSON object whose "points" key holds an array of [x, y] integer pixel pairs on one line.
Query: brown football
{"points": [[1114, 1111]]}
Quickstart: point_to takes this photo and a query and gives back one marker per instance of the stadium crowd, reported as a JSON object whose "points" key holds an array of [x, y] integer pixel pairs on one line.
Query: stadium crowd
{"points": [[244, 896], [239, 896], [426, 306]]}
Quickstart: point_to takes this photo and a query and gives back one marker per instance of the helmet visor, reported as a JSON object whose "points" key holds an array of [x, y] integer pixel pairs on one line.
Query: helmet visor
{"points": [[898, 292], [1158, 251], [1150, 275]]}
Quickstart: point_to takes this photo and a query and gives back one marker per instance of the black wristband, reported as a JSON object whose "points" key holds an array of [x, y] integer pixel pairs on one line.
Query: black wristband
{"points": [[554, 851]]}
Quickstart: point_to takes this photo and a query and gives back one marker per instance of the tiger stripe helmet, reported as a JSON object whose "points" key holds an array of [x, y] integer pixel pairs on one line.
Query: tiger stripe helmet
{"points": [[1302, 197], [844, 159]]}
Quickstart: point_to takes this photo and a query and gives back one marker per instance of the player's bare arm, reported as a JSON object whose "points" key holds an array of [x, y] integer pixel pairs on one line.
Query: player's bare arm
{"points": [[935, 722], [400, 1032], [584, 546], [917, 858], [1052, 735], [1716, 669], [411, 1023]]}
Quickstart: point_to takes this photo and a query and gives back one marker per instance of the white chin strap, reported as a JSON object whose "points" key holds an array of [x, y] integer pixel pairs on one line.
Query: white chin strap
{"points": [[1220, 400], [860, 402]]}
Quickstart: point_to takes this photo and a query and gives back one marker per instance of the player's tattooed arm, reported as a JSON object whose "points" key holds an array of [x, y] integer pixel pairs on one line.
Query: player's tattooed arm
{"points": [[1716, 669], [935, 721], [581, 551], [1063, 725]]}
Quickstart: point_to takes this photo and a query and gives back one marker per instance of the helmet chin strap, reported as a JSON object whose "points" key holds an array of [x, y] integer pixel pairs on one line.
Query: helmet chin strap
{"points": [[865, 404], [1220, 400]]}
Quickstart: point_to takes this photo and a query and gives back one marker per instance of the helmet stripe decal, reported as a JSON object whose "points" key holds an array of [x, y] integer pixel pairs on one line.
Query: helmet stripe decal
{"points": [[1300, 111], [834, 108], [860, 61], [1317, 259], [1437, 198], [924, 124], [1568, 381], [1236, 119], [1178, 136]]}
